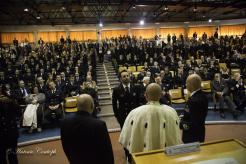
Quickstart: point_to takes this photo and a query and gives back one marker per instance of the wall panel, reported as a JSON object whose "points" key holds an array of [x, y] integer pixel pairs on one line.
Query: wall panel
{"points": [[144, 33]]}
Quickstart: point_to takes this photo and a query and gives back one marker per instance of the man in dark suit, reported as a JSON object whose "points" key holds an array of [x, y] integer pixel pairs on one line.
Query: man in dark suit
{"points": [[193, 122], [220, 89], [84, 138], [126, 95], [8, 127], [21, 93], [54, 99]]}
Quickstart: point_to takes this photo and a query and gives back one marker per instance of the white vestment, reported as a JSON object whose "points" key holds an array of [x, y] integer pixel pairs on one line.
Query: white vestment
{"points": [[30, 115], [150, 127]]}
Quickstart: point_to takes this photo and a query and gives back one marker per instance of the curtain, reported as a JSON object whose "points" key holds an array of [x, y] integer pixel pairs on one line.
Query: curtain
{"points": [[53, 36], [113, 33], [144, 33], [177, 31], [209, 30], [8, 37], [83, 35], [232, 29]]}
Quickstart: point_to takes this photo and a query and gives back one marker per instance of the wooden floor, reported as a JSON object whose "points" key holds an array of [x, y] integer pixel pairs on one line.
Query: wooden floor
{"points": [[41, 155]]}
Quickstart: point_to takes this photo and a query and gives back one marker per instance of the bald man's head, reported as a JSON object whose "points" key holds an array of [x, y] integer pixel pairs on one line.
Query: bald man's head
{"points": [[153, 92], [193, 82], [85, 103]]}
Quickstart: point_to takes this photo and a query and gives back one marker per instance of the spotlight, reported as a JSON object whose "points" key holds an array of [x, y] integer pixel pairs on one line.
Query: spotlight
{"points": [[210, 20], [141, 22], [101, 24], [195, 9], [26, 10], [166, 8]]}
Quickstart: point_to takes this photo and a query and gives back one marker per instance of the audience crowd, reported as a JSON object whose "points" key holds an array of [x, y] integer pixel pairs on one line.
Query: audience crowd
{"points": [[68, 68]]}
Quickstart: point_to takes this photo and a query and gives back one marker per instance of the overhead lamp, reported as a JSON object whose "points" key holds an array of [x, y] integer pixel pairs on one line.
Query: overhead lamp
{"points": [[134, 6], [26, 10], [38, 17], [210, 20], [100, 24], [166, 8], [141, 22], [195, 9], [63, 8]]}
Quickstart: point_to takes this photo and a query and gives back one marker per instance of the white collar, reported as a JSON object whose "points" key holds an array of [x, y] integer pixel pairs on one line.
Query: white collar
{"points": [[126, 85], [194, 92]]}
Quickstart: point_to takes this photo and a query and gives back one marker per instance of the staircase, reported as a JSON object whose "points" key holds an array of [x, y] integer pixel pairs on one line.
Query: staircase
{"points": [[107, 79]]}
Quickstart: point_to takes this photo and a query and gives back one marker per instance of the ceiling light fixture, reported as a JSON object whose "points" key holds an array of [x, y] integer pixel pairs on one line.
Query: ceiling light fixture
{"points": [[141, 22], [100, 24], [195, 9], [134, 6], [38, 17], [210, 20], [166, 8], [26, 10], [63, 8]]}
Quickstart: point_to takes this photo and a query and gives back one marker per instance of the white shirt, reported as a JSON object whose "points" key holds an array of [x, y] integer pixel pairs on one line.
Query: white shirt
{"points": [[194, 92], [126, 86]]}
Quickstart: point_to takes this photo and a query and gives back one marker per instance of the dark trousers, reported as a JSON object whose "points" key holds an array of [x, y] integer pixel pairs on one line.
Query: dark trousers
{"points": [[10, 151], [40, 115], [194, 135], [53, 115]]}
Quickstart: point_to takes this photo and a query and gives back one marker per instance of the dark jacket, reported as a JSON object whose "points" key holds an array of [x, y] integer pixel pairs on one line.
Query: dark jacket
{"points": [[195, 118], [85, 140], [126, 102], [9, 112]]}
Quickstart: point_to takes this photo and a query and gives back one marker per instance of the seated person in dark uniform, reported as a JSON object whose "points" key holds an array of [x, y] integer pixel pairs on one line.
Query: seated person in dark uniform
{"points": [[221, 92], [142, 89], [87, 88], [42, 88], [71, 87], [237, 88], [21, 93], [165, 99], [54, 100]]}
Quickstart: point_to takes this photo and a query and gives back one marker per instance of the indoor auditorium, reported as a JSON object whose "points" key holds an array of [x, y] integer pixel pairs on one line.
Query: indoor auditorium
{"points": [[122, 81]]}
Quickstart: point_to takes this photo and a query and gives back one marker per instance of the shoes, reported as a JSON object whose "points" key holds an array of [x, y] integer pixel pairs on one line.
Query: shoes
{"points": [[30, 130], [222, 115], [39, 130]]}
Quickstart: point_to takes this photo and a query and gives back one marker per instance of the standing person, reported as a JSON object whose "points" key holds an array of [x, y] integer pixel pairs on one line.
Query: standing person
{"points": [[8, 128], [193, 123], [125, 97], [151, 126], [85, 139]]}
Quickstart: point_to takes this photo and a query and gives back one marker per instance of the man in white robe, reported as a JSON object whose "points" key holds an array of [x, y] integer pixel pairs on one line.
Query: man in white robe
{"points": [[151, 126]]}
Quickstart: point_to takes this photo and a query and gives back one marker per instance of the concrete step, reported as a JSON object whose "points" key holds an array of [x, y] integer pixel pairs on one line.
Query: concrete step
{"points": [[105, 102], [102, 83], [104, 98], [114, 80], [103, 92], [100, 72], [101, 80], [113, 77], [103, 88], [111, 122], [106, 109]]}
